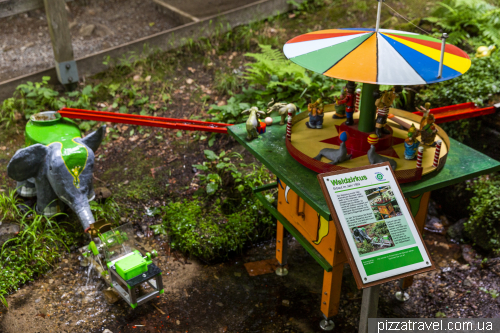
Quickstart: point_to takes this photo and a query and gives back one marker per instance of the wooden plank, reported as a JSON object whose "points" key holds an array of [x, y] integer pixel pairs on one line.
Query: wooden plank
{"points": [[13, 7], [165, 40], [175, 13], [57, 19], [295, 233]]}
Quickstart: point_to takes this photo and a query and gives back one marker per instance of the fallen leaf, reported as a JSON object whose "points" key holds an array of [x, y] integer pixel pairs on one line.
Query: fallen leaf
{"points": [[189, 81], [291, 16], [137, 77], [148, 78], [191, 69]]}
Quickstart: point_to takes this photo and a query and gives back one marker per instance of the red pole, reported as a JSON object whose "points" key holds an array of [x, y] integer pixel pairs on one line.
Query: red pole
{"points": [[436, 154], [419, 157]]}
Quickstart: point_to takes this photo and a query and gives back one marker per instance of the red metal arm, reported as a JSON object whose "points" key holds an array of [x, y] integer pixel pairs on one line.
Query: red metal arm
{"points": [[133, 119], [459, 111]]}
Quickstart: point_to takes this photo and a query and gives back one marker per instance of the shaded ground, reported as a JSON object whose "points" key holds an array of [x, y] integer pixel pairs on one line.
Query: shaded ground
{"points": [[25, 41], [224, 298]]}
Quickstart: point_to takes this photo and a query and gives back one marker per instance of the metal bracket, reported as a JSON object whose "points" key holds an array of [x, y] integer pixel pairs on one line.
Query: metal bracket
{"points": [[67, 72]]}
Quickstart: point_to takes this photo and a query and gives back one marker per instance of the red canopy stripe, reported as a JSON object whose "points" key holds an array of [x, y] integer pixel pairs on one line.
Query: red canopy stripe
{"points": [[308, 37]]}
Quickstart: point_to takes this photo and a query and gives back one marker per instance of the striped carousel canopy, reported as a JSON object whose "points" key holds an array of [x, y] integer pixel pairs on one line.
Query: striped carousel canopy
{"points": [[388, 57]]}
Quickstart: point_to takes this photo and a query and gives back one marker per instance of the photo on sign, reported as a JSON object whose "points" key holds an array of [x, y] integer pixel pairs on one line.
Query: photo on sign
{"points": [[372, 237], [383, 202]]}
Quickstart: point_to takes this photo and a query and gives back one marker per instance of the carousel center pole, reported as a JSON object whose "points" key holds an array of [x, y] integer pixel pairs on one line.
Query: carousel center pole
{"points": [[368, 109]]}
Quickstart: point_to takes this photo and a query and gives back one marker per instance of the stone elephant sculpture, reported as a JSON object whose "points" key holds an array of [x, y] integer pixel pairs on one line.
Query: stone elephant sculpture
{"points": [[57, 164]]}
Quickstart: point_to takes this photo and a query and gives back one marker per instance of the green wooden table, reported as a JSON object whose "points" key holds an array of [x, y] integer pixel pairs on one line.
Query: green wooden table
{"points": [[463, 163], [298, 218]]}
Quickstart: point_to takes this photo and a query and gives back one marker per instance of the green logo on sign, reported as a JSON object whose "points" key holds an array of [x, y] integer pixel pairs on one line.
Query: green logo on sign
{"points": [[379, 176]]}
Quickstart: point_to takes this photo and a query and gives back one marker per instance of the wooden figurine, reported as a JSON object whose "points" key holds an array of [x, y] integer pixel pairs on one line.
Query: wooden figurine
{"points": [[282, 108], [411, 143], [315, 114], [428, 130], [340, 108], [375, 158], [336, 155], [253, 122], [383, 103], [349, 101]]}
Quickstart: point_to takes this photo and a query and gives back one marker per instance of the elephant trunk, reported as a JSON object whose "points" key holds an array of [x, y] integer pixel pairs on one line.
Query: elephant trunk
{"points": [[85, 216]]}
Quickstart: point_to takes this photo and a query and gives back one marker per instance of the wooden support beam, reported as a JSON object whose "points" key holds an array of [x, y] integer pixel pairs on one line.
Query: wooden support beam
{"points": [[13, 7], [175, 13], [57, 19]]}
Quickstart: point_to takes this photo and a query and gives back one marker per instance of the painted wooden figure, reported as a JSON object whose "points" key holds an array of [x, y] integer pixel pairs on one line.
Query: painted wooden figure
{"points": [[340, 108], [428, 130], [411, 143], [383, 103], [349, 101], [315, 114]]}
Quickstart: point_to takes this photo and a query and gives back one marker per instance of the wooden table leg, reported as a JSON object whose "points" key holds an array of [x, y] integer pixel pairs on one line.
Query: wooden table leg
{"points": [[281, 249], [330, 296]]}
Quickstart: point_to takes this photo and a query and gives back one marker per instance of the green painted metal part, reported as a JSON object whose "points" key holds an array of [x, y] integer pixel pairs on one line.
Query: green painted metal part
{"points": [[93, 248], [367, 108], [162, 291], [62, 132], [463, 163], [132, 265], [295, 233], [133, 306]]}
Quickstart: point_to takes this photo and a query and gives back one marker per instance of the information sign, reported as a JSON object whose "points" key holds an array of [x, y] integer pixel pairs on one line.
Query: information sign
{"points": [[375, 224]]}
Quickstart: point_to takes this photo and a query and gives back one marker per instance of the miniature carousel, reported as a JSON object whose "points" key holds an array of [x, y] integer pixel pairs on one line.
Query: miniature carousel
{"points": [[362, 128]]}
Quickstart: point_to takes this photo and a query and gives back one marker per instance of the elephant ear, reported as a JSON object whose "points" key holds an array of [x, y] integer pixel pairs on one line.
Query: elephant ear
{"points": [[26, 162], [94, 139]]}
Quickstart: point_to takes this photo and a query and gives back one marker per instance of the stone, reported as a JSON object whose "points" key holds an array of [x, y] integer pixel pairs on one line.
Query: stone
{"points": [[87, 30], [219, 304], [102, 193], [467, 283], [285, 302], [456, 231], [107, 331], [8, 231], [111, 296]]}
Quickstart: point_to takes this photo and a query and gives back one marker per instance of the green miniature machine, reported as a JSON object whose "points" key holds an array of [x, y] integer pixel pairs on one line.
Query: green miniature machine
{"points": [[126, 267]]}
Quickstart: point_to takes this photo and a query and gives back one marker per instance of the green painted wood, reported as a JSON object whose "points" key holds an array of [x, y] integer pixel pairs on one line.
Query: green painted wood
{"points": [[367, 108], [295, 233], [265, 187], [322, 60], [463, 163]]}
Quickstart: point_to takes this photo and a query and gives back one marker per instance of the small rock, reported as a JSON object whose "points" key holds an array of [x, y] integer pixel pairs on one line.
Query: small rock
{"points": [[219, 304], [464, 267], [87, 30], [107, 331], [178, 322], [189, 81], [285, 302], [8, 231], [30, 44], [451, 293], [467, 283], [148, 78], [111, 296], [102, 193]]}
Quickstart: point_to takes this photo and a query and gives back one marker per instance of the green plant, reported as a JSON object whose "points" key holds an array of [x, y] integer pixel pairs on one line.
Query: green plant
{"points": [[9, 205], [365, 247], [39, 243], [227, 83], [272, 76], [109, 211], [207, 233], [465, 19], [380, 228], [482, 227], [494, 294], [217, 167]]}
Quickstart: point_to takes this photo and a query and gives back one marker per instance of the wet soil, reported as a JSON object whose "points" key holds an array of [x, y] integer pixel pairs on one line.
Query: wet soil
{"points": [[25, 45]]}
